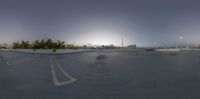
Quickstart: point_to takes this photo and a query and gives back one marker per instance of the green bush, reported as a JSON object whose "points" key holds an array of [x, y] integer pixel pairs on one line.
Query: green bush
{"points": [[54, 50], [71, 46], [34, 49]]}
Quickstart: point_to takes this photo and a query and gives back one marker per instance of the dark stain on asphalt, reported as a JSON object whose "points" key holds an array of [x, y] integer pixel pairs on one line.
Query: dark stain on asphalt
{"points": [[99, 68], [101, 60], [101, 57]]}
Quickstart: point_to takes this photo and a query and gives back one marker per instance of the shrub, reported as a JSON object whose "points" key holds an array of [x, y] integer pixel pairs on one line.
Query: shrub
{"points": [[34, 49], [54, 50]]}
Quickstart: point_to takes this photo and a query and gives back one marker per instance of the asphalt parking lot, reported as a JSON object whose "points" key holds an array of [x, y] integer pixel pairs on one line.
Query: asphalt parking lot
{"points": [[100, 74]]}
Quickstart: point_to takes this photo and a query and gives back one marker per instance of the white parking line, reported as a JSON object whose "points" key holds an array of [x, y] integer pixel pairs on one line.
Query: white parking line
{"points": [[55, 79]]}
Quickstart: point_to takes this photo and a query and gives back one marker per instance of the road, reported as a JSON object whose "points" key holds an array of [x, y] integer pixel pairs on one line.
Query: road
{"points": [[100, 74]]}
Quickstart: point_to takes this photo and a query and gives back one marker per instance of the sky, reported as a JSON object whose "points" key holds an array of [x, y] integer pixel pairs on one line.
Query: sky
{"points": [[102, 22]]}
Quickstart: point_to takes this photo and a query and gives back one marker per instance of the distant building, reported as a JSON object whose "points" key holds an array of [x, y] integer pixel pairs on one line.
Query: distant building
{"points": [[131, 46], [90, 46], [107, 46]]}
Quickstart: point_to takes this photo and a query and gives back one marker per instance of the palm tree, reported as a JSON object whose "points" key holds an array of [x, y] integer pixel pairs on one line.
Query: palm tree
{"points": [[36, 44], [43, 44], [49, 43], [63, 45], [25, 44], [60, 44], [16, 45]]}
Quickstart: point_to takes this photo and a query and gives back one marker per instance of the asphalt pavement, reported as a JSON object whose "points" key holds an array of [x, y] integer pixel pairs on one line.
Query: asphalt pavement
{"points": [[100, 74]]}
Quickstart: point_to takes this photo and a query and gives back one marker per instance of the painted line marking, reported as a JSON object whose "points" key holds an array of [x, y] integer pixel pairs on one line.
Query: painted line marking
{"points": [[54, 77]]}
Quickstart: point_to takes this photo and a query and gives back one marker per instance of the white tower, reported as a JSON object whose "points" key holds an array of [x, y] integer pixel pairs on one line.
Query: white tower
{"points": [[122, 41]]}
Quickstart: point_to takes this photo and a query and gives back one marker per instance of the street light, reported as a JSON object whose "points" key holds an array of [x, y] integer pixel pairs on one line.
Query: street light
{"points": [[180, 38]]}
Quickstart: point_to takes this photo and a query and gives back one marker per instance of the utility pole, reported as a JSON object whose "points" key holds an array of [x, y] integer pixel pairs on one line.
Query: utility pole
{"points": [[122, 41]]}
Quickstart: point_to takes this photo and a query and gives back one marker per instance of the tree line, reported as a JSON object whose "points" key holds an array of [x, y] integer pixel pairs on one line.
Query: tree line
{"points": [[3, 46], [43, 44]]}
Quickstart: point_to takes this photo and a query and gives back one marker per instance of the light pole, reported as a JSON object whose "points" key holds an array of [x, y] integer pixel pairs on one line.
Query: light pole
{"points": [[180, 38], [122, 41]]}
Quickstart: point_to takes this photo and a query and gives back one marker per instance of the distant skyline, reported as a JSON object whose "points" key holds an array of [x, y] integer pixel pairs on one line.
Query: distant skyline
{"points": [[102, 22]]}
